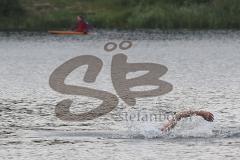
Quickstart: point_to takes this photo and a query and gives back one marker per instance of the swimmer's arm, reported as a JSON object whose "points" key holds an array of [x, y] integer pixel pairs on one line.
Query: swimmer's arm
{"points": [[172, 123]]}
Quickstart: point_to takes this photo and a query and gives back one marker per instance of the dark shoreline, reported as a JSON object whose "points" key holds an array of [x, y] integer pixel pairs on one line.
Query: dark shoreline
{"points": [[121, 14]]}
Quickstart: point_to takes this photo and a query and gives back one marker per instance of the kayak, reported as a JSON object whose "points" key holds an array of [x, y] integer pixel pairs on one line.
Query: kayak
{"points": [[67, 33]]}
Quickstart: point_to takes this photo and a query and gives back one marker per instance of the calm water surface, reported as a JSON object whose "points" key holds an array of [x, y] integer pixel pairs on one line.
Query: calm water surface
{"points": [[203, 67]]}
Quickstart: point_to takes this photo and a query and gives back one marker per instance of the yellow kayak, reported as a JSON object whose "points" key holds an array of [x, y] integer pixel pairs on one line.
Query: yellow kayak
{"points": [[67, 32]]}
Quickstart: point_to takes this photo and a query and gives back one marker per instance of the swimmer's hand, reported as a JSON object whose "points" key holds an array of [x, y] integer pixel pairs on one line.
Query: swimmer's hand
{"points": [[167, 127], [208, 116]]}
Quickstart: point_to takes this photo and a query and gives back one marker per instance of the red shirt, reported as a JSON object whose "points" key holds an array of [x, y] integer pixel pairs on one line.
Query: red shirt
{"points": [[81, 27]]}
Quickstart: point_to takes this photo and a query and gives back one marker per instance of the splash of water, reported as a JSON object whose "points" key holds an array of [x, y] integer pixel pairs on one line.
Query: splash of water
{"points": [[191, 127]]}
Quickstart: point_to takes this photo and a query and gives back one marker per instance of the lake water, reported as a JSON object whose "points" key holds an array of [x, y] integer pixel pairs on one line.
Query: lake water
{"points": [[203, 67]]}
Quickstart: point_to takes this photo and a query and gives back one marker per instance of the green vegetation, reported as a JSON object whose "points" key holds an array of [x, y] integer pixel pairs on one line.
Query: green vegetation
{"points": [[120, 14]]}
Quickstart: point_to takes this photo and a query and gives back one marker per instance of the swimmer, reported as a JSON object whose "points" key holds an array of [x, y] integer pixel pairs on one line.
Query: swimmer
{"points": [[178, 116]]}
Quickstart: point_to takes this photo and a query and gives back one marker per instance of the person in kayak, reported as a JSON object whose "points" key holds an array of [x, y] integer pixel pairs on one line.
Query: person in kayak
{"points": [[81, 25], [208, 116]]}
